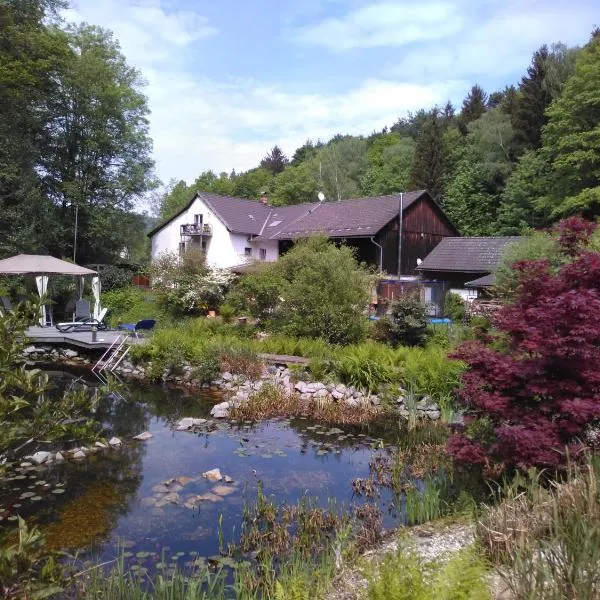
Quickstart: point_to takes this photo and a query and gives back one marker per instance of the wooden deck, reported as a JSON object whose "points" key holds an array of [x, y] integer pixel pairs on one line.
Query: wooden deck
{"points": [[81, 339], [283, 359]]}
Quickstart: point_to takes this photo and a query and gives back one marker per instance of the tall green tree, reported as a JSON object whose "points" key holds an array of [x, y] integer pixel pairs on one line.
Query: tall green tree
{"points": [[428, 168], [473, 193], [390, 157], [473, 106], [32, 53], [571, 139], [97, 153], [275, 161], [296, 185], [252, 183], [534, 99], [342, 163]]}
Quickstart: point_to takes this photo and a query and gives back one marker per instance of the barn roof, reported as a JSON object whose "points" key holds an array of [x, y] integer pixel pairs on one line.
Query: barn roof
{"points": [[347, 218], [467, 254]]}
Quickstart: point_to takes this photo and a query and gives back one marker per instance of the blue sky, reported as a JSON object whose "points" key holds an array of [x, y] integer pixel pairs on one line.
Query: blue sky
{"points": [[228, 79]]}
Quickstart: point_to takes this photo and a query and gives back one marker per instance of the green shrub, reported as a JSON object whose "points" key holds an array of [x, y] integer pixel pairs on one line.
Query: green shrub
{"points": [[454, 307], [404, 575], [315, 290], [227, 313], [114, 278], [408, 321], [366, 367], [207, 364], [129, 305], [429, 371]]}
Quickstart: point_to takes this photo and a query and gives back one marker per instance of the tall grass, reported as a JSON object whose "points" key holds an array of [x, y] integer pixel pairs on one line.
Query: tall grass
{"points": [[425, 504], [404, 575], [546, 536]]}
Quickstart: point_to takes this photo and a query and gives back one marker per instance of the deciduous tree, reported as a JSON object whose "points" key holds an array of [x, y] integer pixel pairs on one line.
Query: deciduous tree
{"points": [[532, 389]]}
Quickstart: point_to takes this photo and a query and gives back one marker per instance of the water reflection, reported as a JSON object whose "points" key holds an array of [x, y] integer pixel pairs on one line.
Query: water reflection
{"points": [[148, 498]]}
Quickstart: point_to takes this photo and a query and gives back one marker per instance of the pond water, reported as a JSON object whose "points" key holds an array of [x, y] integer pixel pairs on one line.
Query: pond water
{"points": [[116, 501]]}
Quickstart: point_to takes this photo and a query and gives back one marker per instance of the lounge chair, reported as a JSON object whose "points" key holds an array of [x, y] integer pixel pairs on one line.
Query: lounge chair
{"points": [[82, 310], [134, 328], [84, 324], [5, 304]]}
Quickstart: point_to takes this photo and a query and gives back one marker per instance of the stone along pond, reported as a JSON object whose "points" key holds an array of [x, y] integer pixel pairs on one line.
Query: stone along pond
{"points": [[148, 500]]}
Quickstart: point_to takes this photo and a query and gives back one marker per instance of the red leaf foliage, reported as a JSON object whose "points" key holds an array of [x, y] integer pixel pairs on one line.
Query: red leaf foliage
{"points": [[536, 385]]}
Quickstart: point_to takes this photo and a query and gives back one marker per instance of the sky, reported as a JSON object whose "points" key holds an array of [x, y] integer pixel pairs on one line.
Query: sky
{"points": [[228, 79]]}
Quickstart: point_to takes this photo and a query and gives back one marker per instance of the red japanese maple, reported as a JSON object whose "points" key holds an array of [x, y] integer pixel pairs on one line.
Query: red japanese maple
{"points": [[531, 390]]}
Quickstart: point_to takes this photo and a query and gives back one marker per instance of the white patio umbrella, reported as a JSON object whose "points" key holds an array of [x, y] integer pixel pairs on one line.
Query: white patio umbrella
{"points": [[96, 289], [42, 286]]}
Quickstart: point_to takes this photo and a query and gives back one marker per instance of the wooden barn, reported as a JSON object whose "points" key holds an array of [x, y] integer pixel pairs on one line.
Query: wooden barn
{"points": [[393, 233]]}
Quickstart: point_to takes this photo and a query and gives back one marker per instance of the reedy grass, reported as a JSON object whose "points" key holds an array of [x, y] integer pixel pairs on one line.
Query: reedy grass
{"points": [[545, 535], [271, 402]]}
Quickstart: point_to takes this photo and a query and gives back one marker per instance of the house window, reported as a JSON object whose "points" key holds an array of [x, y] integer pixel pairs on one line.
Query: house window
{"points": [[248, 251], [181, 248], [198, 220], [203, 244], [263, 254]]}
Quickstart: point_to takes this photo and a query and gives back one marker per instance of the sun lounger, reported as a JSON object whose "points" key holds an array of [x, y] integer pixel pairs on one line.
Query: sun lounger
{"points": [[84, 324], [135, 328]]}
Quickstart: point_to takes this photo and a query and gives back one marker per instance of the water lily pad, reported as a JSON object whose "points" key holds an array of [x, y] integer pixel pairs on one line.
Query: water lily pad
{"points": [[127, 554], [36, 498], [142, 554], [25, 495], [266, 455], [12, 518], [161, 565], [58, 491], [17, 505]]}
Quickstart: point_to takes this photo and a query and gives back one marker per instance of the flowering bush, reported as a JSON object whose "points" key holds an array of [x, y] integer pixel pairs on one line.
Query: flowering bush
{"points": [[185, 285], [533, 386]]}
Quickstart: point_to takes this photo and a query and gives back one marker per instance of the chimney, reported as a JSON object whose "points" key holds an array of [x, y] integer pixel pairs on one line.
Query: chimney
{"points": [[264, 198]]}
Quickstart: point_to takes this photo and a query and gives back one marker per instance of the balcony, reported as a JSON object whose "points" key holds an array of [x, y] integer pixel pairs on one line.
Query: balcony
{"points": [[192, 229]]}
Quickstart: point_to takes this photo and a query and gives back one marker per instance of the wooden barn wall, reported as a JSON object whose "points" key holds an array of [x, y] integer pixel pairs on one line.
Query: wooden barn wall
{"points": [[423, 229], [388, 238]]}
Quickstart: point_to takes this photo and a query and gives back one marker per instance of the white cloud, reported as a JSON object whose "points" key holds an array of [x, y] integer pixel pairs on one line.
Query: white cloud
{"points": [[146, 31], [200, 124], [501, 44], [383, 24]]}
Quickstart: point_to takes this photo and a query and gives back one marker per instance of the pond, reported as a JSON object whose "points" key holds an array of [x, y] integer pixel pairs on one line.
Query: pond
{"points": [[148, 499]]}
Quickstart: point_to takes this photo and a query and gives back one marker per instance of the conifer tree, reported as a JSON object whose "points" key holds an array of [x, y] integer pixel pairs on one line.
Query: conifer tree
{"points": [[428, 165], [474, 105], [534, 99], [275, 161]]}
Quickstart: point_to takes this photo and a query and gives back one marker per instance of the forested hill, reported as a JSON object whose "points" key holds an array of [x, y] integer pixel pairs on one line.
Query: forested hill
{"points": [[506, 160]]}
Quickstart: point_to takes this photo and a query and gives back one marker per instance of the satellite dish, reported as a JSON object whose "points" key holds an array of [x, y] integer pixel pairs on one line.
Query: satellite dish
{"points": [[321, 196]]}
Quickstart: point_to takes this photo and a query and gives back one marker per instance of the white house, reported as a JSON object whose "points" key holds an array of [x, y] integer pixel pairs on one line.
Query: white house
{"points": [[225, 228]]}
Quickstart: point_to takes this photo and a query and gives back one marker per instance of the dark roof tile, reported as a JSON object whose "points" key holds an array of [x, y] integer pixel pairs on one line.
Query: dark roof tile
{"points": [[466, 255], [348, 218]]}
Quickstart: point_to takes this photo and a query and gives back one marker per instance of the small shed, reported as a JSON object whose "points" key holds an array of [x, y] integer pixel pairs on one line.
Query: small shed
{"points": [[466, 265]]}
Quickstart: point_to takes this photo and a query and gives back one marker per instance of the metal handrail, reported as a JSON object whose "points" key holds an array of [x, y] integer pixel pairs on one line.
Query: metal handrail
{"points": [[193, 229]]}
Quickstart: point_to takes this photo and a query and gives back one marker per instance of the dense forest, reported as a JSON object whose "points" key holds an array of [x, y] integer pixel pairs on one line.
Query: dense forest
{"points": [[76, 155], [74, 143], [505, 161]]}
